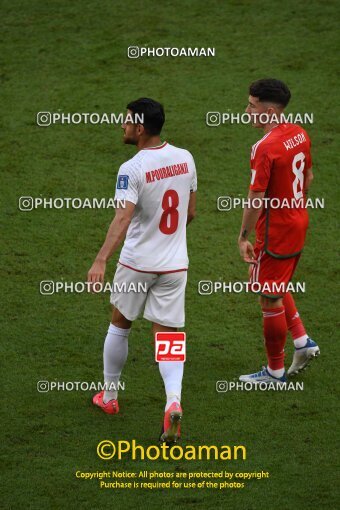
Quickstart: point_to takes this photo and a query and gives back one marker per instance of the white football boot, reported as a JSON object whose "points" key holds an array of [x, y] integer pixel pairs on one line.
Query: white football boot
{"points": [[303, 356]]}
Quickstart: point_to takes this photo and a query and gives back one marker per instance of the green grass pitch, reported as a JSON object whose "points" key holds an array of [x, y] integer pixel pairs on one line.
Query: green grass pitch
{"points": [[72, 56]]}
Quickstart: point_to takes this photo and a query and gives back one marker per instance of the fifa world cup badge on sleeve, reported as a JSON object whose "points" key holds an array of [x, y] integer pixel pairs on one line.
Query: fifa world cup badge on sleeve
{"points": [[122, 182]]}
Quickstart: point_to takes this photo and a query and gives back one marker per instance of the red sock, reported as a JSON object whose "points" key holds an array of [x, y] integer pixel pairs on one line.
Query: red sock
{"points": [[275, 334], [294, 323]]}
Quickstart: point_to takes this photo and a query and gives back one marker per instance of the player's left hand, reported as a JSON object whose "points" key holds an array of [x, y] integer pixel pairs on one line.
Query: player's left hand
{"points": [[247, 251], [97, 271]]}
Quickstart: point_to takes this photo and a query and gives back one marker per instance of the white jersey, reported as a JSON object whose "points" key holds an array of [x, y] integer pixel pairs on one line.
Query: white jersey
{"points": [[159, 181]]}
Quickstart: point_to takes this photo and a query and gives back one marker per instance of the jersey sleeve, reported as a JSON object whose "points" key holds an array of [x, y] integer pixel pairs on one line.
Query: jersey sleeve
{"points": [[261, 165], [193, 185], [128, 183]]}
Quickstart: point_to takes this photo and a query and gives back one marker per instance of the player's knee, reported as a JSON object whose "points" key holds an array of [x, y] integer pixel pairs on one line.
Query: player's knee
{"points": [[119, 320], [158, 328], [270, 302]]}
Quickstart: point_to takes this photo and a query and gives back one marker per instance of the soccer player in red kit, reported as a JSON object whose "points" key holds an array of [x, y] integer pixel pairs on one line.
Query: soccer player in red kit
{"points": [[281, 171]]}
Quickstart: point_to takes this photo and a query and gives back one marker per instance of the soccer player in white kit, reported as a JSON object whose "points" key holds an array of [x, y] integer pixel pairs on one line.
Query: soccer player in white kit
{"points": [[159, 187]]}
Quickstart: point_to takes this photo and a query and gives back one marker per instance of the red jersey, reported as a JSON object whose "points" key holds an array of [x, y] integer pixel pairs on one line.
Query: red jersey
{"points": [[279, 162]]}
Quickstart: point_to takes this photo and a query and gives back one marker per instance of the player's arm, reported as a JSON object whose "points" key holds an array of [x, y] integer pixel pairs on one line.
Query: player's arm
{"points": [[308, 179], [249, 220], [260, 174], [193, 191], [115, 235], [309, 169], [191, 207]]}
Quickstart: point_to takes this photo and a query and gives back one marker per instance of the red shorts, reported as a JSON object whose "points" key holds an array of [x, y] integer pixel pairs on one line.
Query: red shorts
{"points": [[270, 276]]}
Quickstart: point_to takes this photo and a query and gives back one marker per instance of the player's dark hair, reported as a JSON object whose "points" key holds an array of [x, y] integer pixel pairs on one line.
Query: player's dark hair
{"points": [[153, 114], [272, 90]]}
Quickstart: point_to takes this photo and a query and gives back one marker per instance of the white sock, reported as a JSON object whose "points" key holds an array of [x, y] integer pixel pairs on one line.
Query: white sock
{"points": [[301, 341], [115, 355], [276, 373], [172, 375]]}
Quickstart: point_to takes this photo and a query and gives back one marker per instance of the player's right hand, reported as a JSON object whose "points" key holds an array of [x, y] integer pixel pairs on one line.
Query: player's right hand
{"points": [[247, 251], [97, 271]]}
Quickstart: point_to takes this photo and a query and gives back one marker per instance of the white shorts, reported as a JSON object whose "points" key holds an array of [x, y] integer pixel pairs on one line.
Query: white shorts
{"points": [[161, 295]]}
